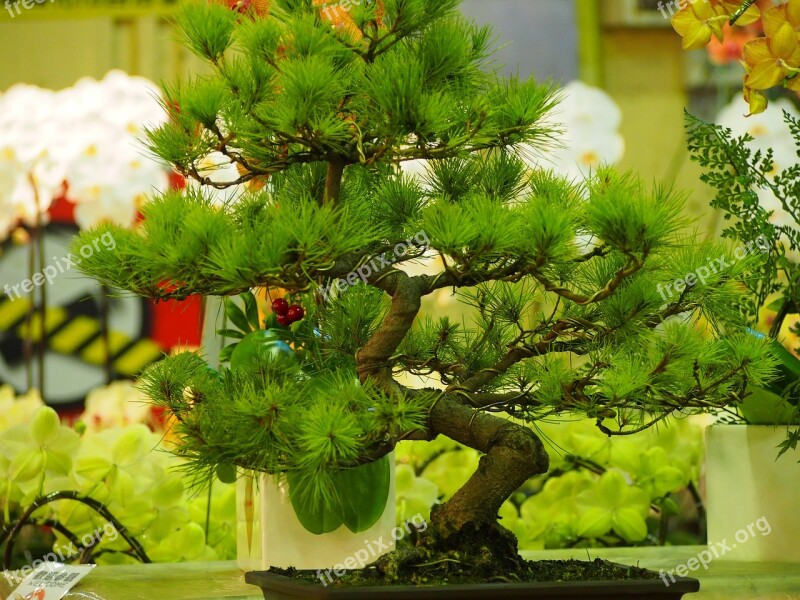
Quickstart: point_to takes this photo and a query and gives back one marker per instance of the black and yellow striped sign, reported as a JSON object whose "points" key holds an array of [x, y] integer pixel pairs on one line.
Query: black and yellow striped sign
{"points": [[69, 331]]}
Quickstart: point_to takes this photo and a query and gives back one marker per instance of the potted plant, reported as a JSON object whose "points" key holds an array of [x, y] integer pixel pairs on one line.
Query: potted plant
{"points": [[753, 453], [751, 166], [564, 278]]}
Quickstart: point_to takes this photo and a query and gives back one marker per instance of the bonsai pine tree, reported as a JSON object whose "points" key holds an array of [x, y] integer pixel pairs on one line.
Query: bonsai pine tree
{"points": [[583, 294]]}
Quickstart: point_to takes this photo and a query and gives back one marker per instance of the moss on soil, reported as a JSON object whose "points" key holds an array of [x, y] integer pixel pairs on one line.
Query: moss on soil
{"points": [[434, 574]]}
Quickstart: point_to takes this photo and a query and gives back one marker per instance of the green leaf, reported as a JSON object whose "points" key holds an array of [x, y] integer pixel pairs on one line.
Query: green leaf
{"points": [[594, 523], [409, 507], [167, 492], [59, 463], [26, 465], [186, 544], [776, 304], [225, 353], [251, 309], [45, 426], [364, 492], [131, 446], [315, 514], [231, 333], [629, 524], [764, 407], [625, 455], [611, 489], [91, 467], [226, 473], [508, 514], [236, 315], [450, 470], [668, 479], [788, 370], [408, 485], [638, 499]]}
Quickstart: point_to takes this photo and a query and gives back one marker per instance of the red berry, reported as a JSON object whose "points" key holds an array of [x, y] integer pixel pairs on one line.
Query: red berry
{"points": [[284, 320], [295, 313], [280, 306]]}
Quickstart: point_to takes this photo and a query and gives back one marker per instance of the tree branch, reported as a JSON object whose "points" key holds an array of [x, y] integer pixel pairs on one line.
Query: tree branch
{"points": [[373, 360]]}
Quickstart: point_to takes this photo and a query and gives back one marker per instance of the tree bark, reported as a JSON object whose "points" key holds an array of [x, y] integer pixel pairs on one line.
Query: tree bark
{"points": [[512, 454], [333, 182], [372, 361]]}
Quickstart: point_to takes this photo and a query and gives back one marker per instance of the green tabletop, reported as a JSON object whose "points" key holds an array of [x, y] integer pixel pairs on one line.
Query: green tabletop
{"points": [[723, 580]]}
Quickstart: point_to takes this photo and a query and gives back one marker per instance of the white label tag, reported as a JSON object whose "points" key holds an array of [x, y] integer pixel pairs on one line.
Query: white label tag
{"points": [[50, 581]]}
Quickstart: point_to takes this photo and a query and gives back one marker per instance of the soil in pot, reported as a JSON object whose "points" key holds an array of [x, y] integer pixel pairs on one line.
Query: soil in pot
{"points": [[475, 569], [573, 579]]}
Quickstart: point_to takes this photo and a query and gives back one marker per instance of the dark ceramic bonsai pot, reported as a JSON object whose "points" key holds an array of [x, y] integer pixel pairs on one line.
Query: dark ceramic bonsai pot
{"points": [[280, 587]]}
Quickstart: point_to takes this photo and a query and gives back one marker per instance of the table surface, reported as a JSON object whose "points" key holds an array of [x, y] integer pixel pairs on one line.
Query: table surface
{"points": [[723, 580]]}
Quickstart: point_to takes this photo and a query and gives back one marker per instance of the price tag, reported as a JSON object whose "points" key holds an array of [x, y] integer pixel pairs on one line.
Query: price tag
{"points": [[50, 581]]}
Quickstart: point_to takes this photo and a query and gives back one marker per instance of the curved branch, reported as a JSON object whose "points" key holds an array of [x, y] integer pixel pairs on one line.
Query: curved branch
{"points": [[633, 265], [373, 360], [11, 530]]}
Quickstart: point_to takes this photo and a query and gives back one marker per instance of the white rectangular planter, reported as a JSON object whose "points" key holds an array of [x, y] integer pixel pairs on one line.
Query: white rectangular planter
{"points": [[275, 538], [749, 492]]}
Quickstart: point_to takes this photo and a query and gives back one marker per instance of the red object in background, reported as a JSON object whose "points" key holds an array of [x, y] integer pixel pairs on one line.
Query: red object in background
{"points": [[170, 324], [734, 39], [62, 210], [177, 322], [731, 48], [176, 181]]}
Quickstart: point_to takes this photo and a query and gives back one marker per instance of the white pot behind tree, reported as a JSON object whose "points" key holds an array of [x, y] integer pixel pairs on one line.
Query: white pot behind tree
{"points": [[270, 535], [752, 498]]}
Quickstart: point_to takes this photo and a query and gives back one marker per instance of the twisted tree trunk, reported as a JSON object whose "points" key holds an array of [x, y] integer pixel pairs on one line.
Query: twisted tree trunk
{"points": [[511, 455]]}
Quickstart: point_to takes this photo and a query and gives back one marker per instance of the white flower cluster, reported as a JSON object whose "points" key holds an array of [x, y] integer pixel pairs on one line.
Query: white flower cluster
{"points": [[87, 137], [769, 132], [589, 122]]}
